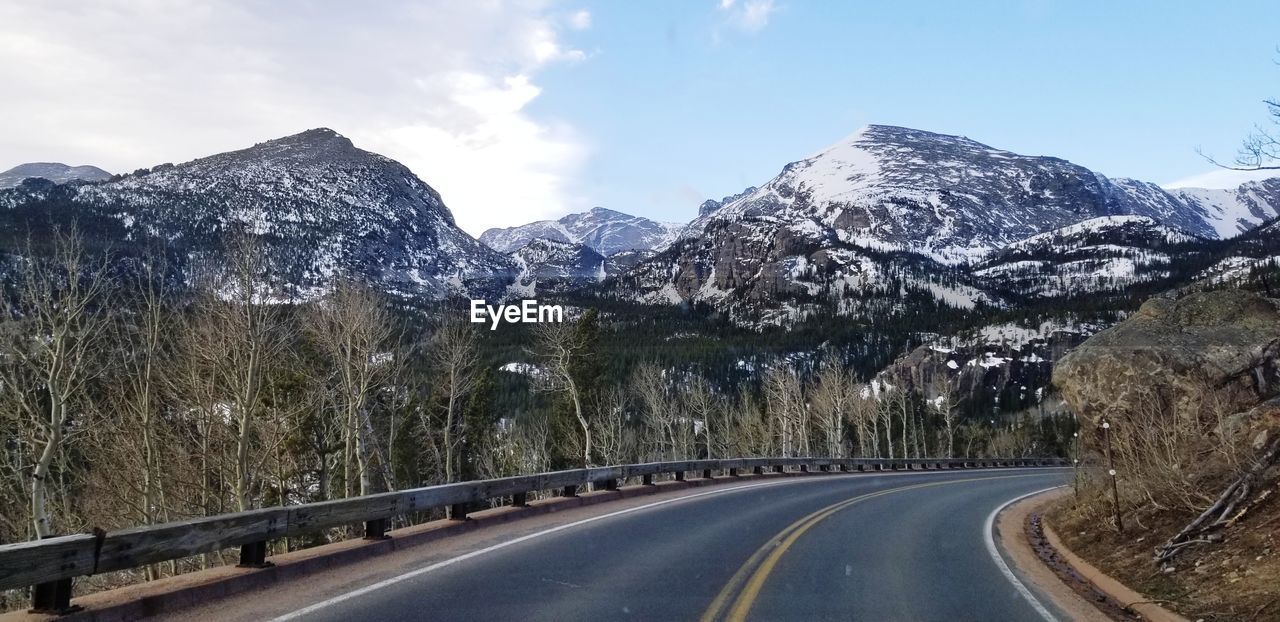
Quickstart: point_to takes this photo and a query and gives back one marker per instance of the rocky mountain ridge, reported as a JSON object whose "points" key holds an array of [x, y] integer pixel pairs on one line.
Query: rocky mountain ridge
{"points": [[56, 172], [321, 205], [892, 210], [603, 230]]}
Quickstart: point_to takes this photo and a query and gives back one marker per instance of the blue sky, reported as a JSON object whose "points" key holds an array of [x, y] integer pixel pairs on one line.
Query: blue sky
{"points": [[678, 101], [517, 110]]}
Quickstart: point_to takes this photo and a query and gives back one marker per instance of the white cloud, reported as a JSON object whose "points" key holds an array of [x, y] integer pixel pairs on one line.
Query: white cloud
{"points": [[580, 20], [1221, 178], [444, 88], [750, 16]]}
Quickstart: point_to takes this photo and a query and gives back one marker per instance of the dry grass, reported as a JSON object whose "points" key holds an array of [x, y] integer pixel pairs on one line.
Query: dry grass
{"points": [[1237, 578]]}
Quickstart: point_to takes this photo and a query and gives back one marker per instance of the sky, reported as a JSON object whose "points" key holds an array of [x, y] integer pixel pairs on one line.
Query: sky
{"points": [[526, 109]]}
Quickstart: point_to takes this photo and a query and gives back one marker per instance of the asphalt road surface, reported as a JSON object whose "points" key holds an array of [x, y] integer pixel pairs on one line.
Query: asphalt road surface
{"points": [[909, 546]]}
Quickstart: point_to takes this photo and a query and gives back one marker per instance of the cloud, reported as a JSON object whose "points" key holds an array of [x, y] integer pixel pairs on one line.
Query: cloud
{"points": [[750, 16], [1221, 178], [444, 88], [580, 20]]}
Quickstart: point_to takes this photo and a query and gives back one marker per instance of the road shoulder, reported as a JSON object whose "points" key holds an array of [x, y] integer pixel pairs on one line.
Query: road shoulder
{"points": [[1014, 542], [1091, 594]]}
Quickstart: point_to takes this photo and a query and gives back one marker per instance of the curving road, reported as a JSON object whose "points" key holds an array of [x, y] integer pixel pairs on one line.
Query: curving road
{"points": [[909, 546]]}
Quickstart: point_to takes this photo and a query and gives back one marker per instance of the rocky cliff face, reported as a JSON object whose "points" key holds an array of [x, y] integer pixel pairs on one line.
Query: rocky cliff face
{"points": [[544, 265], [1223, 345]]}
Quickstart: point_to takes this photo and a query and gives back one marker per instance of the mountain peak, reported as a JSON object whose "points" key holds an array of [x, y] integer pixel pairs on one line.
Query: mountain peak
{"points": [[56, 172], [321, 140], [604, 230]]}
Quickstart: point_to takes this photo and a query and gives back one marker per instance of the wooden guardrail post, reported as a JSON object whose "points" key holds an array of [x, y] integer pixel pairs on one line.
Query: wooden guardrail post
{"points": [[679, 476], [733, 472], [706, 474], [53, 598], [520, 499], [254, 555], [376, 529], [570, 490], [647, 479]]}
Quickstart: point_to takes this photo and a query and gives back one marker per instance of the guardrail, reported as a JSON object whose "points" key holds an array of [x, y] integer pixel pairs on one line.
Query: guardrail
{"points": [[49, 565]]}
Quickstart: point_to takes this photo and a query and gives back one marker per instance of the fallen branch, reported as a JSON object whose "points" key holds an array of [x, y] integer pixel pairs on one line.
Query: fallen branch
{"points": [[1223, 511]]}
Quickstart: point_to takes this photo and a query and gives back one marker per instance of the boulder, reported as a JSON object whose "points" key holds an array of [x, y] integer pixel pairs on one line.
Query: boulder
{"points": [[1219, 344]]}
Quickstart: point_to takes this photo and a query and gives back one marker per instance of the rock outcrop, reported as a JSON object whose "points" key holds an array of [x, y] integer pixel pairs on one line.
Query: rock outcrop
{"points": [[1221, 344]]}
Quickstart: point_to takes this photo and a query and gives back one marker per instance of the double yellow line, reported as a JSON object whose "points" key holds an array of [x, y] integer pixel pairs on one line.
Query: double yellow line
{"points": [[750, 578]]}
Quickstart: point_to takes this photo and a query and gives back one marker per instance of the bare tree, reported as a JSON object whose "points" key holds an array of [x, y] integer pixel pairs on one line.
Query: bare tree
{"points": [[705, 406], [889, 401], [788, 410], [942, 397], [615, 441], [235, 339], [833, 398], [661, 411], [56, 324], [560, 346], [352, 329], [1260, 150], [455, 356], [863, 411]]}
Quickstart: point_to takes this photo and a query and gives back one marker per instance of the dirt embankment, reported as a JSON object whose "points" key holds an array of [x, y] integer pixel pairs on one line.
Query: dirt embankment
{"points": [[1235, 579], [1190, 391]]}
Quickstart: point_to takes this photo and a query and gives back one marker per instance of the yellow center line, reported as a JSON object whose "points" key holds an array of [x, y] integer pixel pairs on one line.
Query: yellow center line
{"points": [[767, 556]]}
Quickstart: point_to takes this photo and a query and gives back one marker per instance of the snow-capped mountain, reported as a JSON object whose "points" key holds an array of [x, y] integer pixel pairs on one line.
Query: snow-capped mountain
{"points": [[543, 264], [321, 205], [829, 233], [955, 199], [56, 172], [1232, 212], [603, 230], [1101, 254]]}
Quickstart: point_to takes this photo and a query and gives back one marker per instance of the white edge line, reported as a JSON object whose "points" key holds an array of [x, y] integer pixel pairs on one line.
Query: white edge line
{"points": [[988, 533], [502, 545]]}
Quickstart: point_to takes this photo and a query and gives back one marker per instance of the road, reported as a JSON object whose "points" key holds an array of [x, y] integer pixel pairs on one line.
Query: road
{"points": [[894, 546]]}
